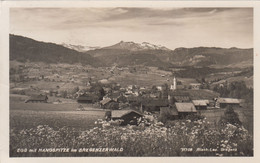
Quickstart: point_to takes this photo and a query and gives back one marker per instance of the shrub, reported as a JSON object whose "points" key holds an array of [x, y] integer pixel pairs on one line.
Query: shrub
{"points": [[231, 117], [194, 117]]}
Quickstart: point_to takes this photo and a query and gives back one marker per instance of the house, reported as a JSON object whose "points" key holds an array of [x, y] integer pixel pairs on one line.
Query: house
{"points": [[87, 98], [185, 109], [224, 102], [128, 116], [170, 111], [151, 104], [200, 104], [109, 103], [38, 98], [195, 86]]}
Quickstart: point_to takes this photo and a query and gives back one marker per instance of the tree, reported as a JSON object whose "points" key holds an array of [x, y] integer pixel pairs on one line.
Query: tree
{"points": [[98, 90], [230, 116], [64, 94], [113, 106]]}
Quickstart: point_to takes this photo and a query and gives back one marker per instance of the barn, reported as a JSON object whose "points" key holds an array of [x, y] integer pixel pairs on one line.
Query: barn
{"points": [[200, 104], [37, 98], [185, 109], [224, 102], [128, 116]]}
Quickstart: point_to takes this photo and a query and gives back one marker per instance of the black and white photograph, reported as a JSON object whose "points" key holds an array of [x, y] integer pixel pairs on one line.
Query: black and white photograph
{"points": [[131, 81]]}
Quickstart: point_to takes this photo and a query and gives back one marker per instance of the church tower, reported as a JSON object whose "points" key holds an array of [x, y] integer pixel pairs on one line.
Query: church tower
{"points": [[174, 85]]}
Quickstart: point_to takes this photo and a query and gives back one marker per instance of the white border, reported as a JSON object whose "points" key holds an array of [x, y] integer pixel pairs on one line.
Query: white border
{"points": [[4, 75]]}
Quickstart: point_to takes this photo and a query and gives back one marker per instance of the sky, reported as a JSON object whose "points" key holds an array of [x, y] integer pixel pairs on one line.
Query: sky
{"points": [[170, 27]]}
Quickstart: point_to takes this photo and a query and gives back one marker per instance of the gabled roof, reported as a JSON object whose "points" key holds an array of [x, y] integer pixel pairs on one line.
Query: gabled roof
{"points": [[105, 101], [200, 102], [228, 100], [185, 107], [121, 113]]}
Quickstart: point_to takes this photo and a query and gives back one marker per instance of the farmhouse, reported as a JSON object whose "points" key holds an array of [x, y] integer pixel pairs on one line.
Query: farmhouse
{"points": [[38, 98], [185, 109], [128, 116], [109, 103], [224, 102], [200, 104]]}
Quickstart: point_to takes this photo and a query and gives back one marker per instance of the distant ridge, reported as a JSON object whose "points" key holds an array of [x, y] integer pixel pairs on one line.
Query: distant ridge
{"points": [[26, 49], [129, 54]]}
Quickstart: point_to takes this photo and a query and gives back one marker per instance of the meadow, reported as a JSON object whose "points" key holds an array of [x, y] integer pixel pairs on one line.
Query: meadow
{"points": [[29, 115], [50, 127], [180, 138]]}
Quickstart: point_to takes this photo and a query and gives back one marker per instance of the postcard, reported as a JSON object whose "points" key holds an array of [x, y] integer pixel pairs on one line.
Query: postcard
{"points": [[151, 79]]}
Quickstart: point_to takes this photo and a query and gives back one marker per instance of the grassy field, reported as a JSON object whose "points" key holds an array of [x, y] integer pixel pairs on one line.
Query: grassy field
{"points": [[25, 116], [147, 80], [48, 106]]}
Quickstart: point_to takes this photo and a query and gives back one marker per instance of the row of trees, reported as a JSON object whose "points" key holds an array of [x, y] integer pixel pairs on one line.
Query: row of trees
{"points": [[237, 89]]}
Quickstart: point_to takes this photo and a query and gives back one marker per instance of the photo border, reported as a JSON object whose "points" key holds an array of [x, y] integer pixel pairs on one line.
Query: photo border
{"points": [[4, 81]]}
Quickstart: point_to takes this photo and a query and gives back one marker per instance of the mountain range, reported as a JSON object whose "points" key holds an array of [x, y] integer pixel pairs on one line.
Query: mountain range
{"points": [[80, 48], [127, 54]]}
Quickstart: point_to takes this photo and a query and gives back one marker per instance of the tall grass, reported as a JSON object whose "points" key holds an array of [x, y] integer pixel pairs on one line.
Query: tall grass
{"points": [[154, 140]]}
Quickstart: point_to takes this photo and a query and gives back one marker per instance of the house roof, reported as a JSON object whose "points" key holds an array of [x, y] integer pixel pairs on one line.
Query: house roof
{"points": [[228, 100], [169, 110], [185, 107], [39, 97], [121, 113], [105, 101], [200, 102]]}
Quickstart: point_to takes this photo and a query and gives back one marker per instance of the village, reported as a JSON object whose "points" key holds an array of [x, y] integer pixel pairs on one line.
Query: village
{"points": [[93, 87]]}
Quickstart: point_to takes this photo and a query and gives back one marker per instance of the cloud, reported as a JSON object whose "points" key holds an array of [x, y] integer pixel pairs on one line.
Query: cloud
{"points": [[173, 27]]}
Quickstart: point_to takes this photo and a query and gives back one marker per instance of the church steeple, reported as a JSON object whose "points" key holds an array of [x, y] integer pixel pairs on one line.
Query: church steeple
{"points": [[174, 85]]}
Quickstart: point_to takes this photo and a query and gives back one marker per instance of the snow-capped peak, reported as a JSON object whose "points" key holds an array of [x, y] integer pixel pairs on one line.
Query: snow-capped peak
{"points": [[79, 48], [137, 46]]}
